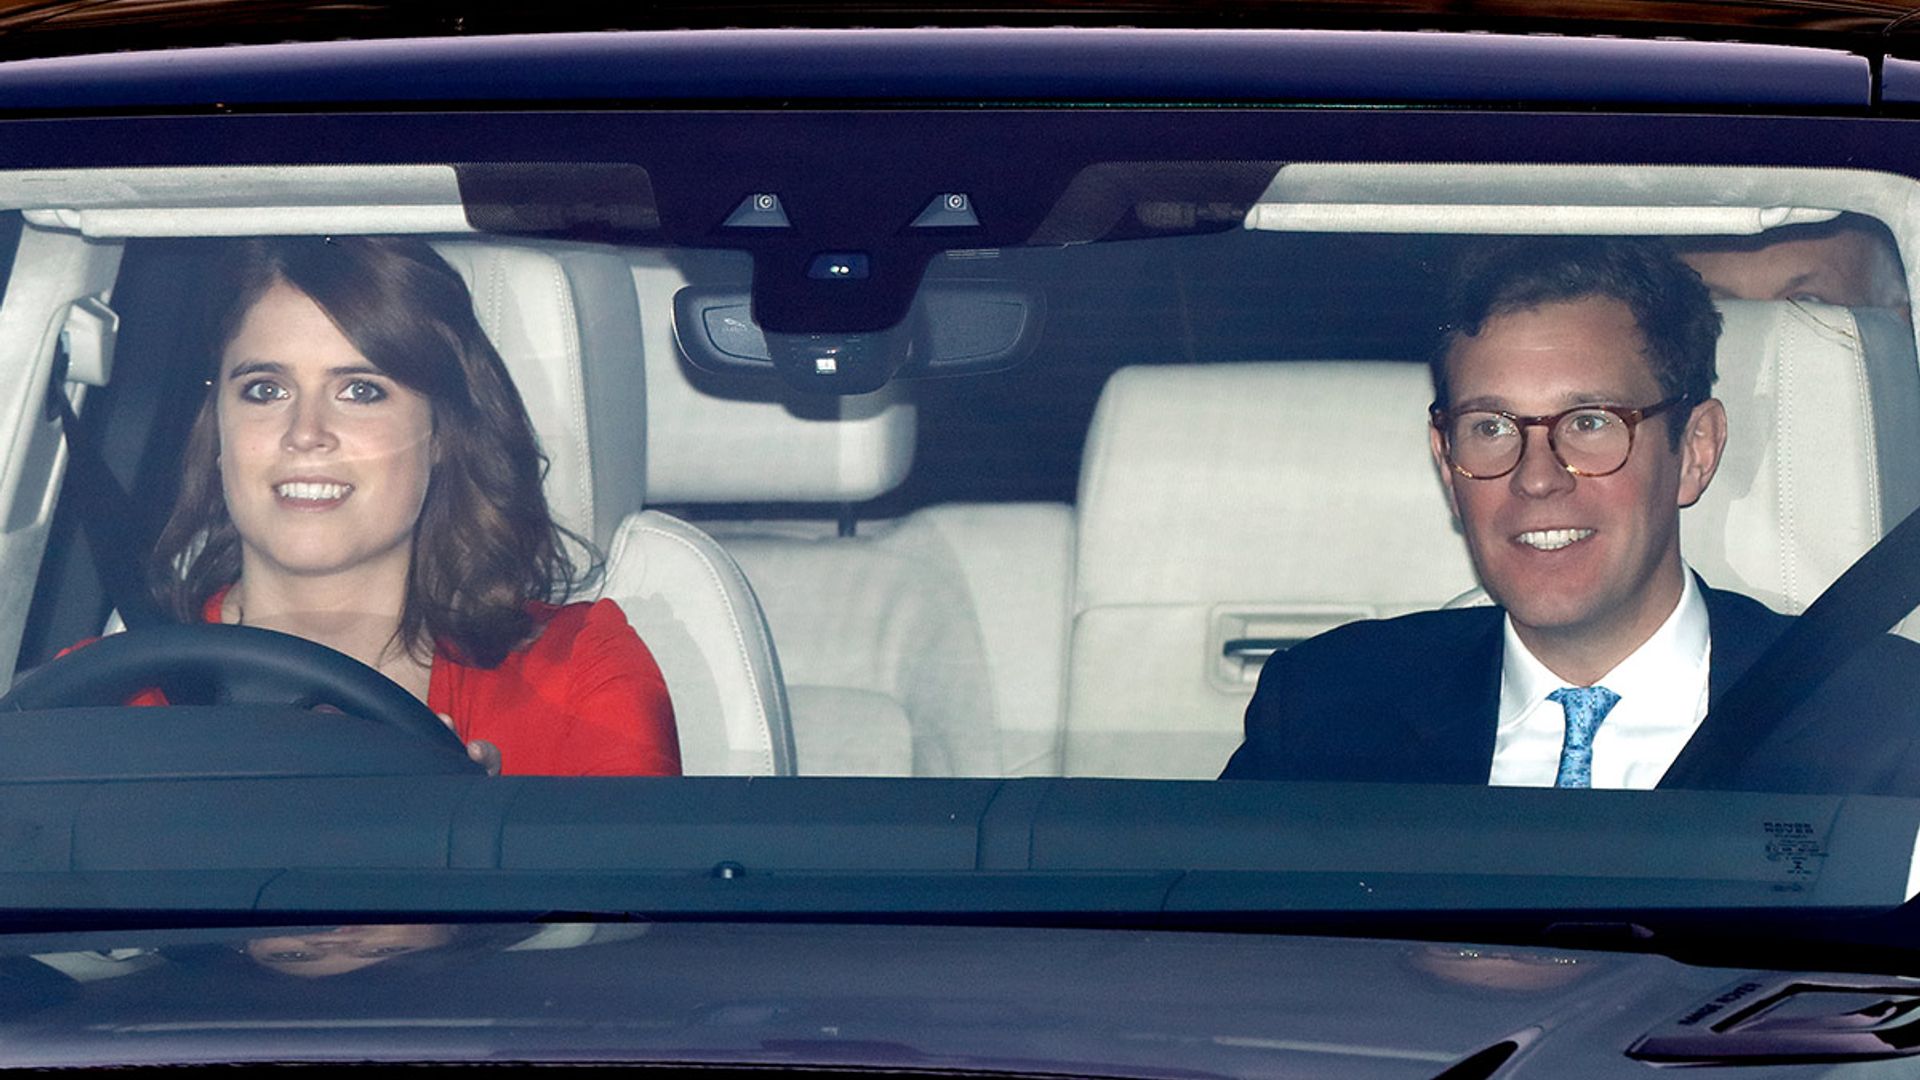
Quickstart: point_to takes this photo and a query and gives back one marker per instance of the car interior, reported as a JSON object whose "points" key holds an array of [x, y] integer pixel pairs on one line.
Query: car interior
{"points": [[1187, 451]]}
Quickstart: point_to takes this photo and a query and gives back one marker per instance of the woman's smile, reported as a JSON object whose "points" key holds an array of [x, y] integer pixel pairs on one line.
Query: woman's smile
{"points": [[310, 494]]}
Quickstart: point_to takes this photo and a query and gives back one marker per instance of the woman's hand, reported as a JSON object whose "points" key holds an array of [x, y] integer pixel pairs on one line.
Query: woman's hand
{"points": [[484, 753]]}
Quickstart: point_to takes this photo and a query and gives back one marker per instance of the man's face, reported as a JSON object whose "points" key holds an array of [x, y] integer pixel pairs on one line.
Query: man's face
{"points": [[1838, 268], [1589, 560]]}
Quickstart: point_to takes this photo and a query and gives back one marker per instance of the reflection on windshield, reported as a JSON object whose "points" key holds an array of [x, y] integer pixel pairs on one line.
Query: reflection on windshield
{"points": [[344, 948], [1498, 969], [327, 952]]}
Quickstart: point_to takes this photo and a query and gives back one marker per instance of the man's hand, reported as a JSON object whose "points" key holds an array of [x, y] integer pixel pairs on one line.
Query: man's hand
{"points": [[484, 753]]}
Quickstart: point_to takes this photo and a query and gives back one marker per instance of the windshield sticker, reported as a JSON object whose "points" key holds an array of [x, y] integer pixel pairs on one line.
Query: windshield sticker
{"points": [[1797, 851]]}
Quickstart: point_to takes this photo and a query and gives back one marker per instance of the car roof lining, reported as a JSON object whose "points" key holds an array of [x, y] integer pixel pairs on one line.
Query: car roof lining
{"points": [[1527, 198], [240, 200], [1305, 196], [1661, 200], [1529, 220]]}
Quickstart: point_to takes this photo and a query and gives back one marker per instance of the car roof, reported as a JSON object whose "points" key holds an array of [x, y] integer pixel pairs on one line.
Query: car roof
{"points": [[1016, 66], [210, 21], [67, 27]]}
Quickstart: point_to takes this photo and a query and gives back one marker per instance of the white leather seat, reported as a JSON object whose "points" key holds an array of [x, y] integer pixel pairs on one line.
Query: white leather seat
{"points": [[1823, 454], [565, 321], [693, 606], [932, 645], [1227, 502]]}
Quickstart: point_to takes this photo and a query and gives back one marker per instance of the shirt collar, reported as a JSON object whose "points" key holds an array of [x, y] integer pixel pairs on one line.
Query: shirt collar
{"points": [[1678, 647]]}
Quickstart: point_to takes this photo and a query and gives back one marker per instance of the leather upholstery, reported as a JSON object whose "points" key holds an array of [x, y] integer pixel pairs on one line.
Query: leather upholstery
{"points": [[565, 322]]}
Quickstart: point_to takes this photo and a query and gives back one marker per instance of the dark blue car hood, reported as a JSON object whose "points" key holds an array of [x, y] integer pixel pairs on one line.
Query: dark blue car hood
{"points": [[1033, 1001]]}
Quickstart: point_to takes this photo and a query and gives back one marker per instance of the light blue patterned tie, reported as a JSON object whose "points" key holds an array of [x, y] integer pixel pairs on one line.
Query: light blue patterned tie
{"points": [[1585, 707]]}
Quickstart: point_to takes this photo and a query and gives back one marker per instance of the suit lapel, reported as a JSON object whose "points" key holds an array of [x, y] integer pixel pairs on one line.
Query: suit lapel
{"points": [[1454, 728], [1740, 629]]}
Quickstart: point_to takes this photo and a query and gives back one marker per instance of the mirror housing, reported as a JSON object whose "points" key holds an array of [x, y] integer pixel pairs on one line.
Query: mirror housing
{"points": [[955, 327]]}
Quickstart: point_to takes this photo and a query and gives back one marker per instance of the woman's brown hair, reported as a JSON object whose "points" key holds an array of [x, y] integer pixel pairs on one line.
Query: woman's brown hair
{"points": [[485, 546]]}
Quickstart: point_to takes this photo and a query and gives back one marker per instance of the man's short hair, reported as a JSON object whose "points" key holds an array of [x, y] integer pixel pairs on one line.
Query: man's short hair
{"points": [[1669, 302]]}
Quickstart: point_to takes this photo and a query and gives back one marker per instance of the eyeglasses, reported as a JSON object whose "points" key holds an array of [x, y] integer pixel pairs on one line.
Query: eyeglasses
{"points": [[1589, 440]]}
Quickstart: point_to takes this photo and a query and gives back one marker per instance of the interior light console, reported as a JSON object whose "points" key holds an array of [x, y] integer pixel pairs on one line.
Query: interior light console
{"points": [[954, 327]]}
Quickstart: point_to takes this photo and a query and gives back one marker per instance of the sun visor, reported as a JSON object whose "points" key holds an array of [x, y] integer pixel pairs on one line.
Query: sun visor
{"points": [[1488, 199], [240, 200]]}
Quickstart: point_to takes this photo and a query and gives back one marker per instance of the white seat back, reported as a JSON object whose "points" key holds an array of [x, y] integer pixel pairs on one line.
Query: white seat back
{"points": [[691, 603], [1224, 505], [1823, 451], [567, 334], [565, 321], [931, 645]]}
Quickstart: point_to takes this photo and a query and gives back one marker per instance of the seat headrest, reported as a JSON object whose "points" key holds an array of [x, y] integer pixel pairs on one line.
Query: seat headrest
{"points": [[711, 439], [1823, 448], [565, 322], [1295, 482]]}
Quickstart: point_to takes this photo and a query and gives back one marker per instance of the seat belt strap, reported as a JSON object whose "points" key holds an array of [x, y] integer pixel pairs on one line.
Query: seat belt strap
{"points": [[105, 511], [1866, 601]]}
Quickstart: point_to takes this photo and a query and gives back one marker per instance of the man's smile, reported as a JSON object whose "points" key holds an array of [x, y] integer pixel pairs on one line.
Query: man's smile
{"points": [[1552, 539]]}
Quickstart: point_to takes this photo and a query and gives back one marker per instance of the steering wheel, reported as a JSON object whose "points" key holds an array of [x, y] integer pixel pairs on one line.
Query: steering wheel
{"points": [[238, 665]]}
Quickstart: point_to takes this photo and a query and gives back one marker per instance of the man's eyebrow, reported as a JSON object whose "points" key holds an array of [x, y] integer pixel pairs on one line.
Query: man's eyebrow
{"points": [[1571, 400]]}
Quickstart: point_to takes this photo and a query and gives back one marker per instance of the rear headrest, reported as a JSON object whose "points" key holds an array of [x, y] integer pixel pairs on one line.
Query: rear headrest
{"points": [[1303, 483], [712, 439], [565, 322], [1823, 449]]}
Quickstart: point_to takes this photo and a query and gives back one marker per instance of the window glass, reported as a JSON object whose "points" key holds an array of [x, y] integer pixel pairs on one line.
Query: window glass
{"points": [[1114, 472]]}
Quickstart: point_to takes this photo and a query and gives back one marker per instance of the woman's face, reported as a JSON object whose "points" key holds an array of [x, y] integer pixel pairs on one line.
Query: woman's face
{"points": [[324, 459], [344, 948]]}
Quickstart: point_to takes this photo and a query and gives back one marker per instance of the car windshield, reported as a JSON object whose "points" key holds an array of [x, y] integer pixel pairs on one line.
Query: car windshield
{"points": [[1373, 520]]}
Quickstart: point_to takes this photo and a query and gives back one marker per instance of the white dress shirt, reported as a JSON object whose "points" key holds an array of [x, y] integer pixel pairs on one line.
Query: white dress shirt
{"points": [[1663, 697]]}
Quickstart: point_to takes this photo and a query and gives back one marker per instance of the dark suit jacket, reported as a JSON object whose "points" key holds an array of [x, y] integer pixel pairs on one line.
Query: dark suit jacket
{"points": [[1416, 700]]}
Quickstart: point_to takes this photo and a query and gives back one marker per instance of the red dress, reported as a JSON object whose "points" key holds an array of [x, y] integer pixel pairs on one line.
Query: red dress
{"points": [[585, 698]]}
